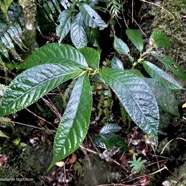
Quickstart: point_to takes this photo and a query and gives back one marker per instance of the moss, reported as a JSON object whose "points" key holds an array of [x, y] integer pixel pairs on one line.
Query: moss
{"points": [[169, 19]]}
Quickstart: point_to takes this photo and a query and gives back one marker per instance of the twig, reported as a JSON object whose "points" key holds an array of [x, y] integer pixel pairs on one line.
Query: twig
{"points": [[39, 117], [155, 4], [89, 150], [19, 123], [178, 138], [52, 108]]}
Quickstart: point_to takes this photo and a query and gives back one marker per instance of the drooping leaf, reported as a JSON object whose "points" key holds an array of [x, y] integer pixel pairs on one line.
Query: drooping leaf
{"points": [[160, 75], [75, 121], [160, 39], [136, 38], [55, 53], [165, 98], [116, 63], [78, 33], [110, 127], [171, 65], [65, 24], [121, 47], [91, 18], [136, 97], [33, 83], [92, 56]]}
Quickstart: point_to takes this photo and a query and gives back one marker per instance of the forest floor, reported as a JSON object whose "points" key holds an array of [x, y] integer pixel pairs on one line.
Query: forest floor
{"points": [[26, 150]]}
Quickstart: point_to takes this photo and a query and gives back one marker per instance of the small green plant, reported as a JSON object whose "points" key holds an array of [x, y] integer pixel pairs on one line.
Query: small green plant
{"points": [[136, 164], [107, 137], [77, 18], [54, 64]]}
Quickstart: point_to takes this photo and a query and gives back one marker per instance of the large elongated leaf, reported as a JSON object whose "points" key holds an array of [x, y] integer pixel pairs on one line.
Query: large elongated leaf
{"points": [[92, 56], [33, 83], [136, 97], [75, 121], [65, 23], [91, 18], [171, 65], [78, 32], [55, 53], [165, 98], [160, 75], [136, 38]]}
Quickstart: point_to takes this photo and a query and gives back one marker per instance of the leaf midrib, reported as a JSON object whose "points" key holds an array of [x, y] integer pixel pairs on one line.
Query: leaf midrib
{"points": [[41, 84], [129, 92]]}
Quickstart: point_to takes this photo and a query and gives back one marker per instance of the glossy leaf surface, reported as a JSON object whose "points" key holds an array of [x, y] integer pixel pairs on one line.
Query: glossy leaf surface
{"points": [[109, 140], [171, 65], [32, 84], [136, 97], [160, 75], [91, 18], [78, 33], [120, 46], [92, 56], [55, 53], [65, 24], [136, 38], [110, 127], [116, 63], [165, 98], [75, 121]]}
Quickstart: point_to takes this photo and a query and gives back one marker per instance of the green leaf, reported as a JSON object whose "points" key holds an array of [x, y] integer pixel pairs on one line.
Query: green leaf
{"points": [[78, 33], [109, 140], [110, 127], [171, 65], [94, 37], [75, 121], [160, 39], [137, 164], [136, 97], [122, 48], [160, 75], [165, 98], [55, 53], [92, 56], [11, 31], [4, 6], [65, 24], [91, 18], [116, 63], [33, 83], [2, 135], [136, 38]]}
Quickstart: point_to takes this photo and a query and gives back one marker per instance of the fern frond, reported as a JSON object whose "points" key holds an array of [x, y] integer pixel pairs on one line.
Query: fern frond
{"points": [[115, 8]]}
